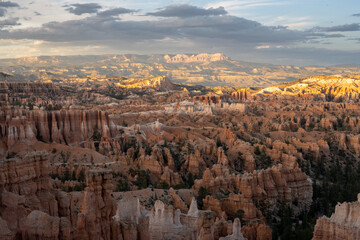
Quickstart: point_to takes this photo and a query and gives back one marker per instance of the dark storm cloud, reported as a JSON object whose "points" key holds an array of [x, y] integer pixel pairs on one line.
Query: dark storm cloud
{"points": [[82, 8], [323, 35], [355, 39], [115, 12], [215, 29], [200, 33], [340, 28], [8, 4], [2, 12], [356, 15], [210, 28], [4, 5], [185, 11], [9, 22]]}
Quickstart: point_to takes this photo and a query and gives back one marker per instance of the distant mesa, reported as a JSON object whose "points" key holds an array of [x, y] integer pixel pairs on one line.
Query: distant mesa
{"points": [[202, 57], [160, 83]]}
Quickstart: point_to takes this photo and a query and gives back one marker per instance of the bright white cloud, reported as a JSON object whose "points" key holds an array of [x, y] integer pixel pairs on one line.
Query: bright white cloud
{"points": [[238, 4]]}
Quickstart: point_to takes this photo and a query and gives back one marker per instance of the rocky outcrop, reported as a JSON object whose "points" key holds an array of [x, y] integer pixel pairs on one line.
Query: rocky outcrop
{"points": [[222, 158], [276, 183], [194, 163], [40, 225], [28, 88], [132, 219], [32, 208], [241, 95], [15, 93], [164, 223], [25, 186], [349, 141], [327, 88], [216, 99], [161, 83], [68, 127], [5, 232], [209, 98], [257, 231], [343, 224], [231, 205], [236, 232], [98, 208], [29, 205]]}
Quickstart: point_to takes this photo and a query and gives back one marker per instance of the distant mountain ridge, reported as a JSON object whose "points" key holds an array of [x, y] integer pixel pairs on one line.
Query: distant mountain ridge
{"points": [[205, 69], [334, 87], [202, 57], [87, 59], [4, 77], [159, 83]]}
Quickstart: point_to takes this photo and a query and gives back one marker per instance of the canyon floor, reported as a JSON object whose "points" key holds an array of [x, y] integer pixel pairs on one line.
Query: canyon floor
{"points": [[123, 158]]}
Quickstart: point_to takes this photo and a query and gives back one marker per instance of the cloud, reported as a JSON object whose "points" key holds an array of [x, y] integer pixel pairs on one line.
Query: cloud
{"points": [[115, 12], [262, 47], [356, 15], [246, 4], [186, 11], [340, 28], [2, 12], [9, 22], [355, 39], [4, 5], [202, 32], [8, 4], [202, 28], [215, 30], [323, 35], [82, 8]]}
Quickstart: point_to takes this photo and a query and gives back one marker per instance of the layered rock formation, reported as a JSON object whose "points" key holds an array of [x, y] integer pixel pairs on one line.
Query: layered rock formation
{"points": [[242, 95], [68, 127], [329, 88], [32, 209], [164, 223], [32, 94], [98, 208], [236, 232], [40, 225], [25, 188], [343, 224], [239, 96], [276, 183], [159, 83], [37, 89]]}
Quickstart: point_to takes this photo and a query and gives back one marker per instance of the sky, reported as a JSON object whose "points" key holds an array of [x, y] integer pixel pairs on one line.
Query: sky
{"points": [[287, 32]]}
